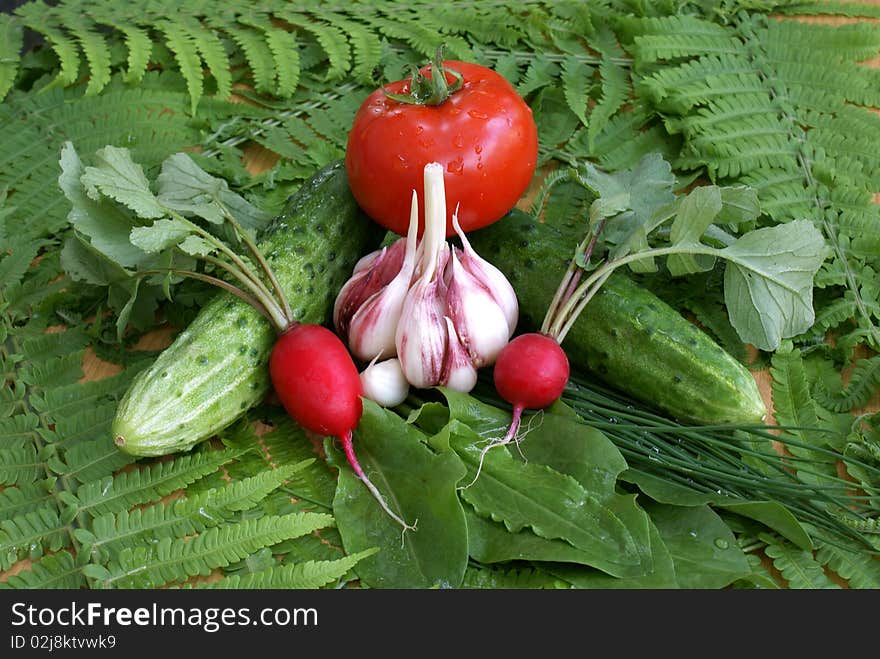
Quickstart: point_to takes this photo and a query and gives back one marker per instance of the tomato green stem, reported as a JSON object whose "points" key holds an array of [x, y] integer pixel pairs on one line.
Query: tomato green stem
{"points": [[429, 91]]}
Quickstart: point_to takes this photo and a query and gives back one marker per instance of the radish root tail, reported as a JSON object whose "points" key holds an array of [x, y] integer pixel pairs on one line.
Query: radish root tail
{"points": [[511, 436], [348, 448]]}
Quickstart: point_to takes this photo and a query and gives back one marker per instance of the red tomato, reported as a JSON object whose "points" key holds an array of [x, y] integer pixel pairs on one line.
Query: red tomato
{"points": [[483, 134]]}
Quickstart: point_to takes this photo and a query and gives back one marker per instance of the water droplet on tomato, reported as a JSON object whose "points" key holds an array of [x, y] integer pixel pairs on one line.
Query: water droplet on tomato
{"points": [[420, 130], [476, 114], [458, 141], [456, 166], [401, 163], [478, 148]]}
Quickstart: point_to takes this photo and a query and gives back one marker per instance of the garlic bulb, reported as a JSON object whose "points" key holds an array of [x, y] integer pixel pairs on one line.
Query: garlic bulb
{"points": [[443, 311]]}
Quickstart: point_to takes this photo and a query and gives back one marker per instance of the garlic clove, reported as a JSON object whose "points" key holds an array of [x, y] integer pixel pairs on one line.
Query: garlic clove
{"points": [[490, 277], [384, 382], [374, 325], [480, 322], [459, 372], [373, 273], [372, 329], [421, 337]]}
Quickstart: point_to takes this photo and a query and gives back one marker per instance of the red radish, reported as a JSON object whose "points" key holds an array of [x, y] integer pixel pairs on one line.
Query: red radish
{"points": [[530, 373], [320, 387]]}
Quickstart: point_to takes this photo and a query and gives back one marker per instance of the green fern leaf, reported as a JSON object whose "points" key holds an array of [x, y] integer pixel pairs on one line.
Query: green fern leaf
{"points": [[52, 571], [576, 83], [97, 53], [21, 499], [177, 560], [213, 53], [186, 516], [20, 465], [29, 535], [832, 8], [140, 48], [181, 43], [331, 39], [285, 52], [795, 407], [150, 483], [366, 48], [307, 575], [90, 460], [540, 73], [671, 37], [19, 430], [797, 566], [615, 91], [66, 50], [258, 55], [11, 41], [863, 383], [81, 426], [859, 568]]}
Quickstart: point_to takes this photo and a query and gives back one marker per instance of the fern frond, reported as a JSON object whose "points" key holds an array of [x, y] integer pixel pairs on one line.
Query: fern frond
{"points": [[90, 460], [30, 534], [853, 42], [11, 41], [285, 52], [181, 43], [541, 72], [257, 53], [66, 50], [140, 48], [18, 431], [366, 48], [186, 516], [86, 424], [307, 575], [863, 383], [615, 92], [331, 39], [177, 560], [149, 483], [58, 370], [97, 53], [213, 54], [52, 571], [673, 37], [795, 407], [860, 569], [26, 498], [20, 465], [576, 84], [797, 566], [832, 8]]}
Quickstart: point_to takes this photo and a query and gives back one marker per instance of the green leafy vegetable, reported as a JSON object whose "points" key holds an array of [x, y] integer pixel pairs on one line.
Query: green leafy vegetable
{"points": [[421, 485]]}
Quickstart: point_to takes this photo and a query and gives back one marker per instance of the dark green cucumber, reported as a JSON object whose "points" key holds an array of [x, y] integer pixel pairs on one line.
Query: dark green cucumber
{"points": [[626, 335], [216, 368]]}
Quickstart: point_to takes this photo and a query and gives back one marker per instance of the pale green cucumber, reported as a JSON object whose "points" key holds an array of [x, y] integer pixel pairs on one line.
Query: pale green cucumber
{"points": [[626, 335], [217, 368]]}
